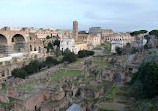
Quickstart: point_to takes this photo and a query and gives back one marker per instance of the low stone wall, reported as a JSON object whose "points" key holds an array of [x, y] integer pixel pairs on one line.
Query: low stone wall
{"points": [[3, 98]]}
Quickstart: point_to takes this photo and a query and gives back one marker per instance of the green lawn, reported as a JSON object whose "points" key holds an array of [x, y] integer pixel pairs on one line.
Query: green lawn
{"points": [[102, 62], [64, 72]]}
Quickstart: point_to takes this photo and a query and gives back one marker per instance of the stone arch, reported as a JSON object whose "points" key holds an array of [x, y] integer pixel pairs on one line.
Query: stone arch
{"points": [[3, 39], [3, 44], [19, 42], [18, 38]]}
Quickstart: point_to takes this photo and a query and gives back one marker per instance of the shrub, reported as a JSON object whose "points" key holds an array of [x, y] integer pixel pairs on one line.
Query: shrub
{"points": [[85, 53], [70, 57], [145, 82], [19, 73], [51, 61]]}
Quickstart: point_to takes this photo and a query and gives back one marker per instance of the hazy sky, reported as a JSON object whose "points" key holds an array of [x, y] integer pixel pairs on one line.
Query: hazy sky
{"points": [[119, 15]]}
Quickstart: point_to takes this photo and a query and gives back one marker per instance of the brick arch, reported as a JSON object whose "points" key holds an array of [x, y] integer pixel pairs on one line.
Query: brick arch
{"points": [[18, 40], [3, 39], [16, 36], [10, 34]]}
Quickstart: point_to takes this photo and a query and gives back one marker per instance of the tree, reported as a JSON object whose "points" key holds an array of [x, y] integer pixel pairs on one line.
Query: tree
{"points": [[145, 81], [135, 33], [154, 32], [128, 45], [67, 51], [118, 50], [92, 52], [82, 32], [57, 52], [48, 37], [33, 67], [127, 48], [56, 43], [50, 46], [51, 61], [70, 57], [85, 53]]}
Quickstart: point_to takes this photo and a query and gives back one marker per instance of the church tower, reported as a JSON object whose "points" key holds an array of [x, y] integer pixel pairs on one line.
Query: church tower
{"points": [[75, 30]]}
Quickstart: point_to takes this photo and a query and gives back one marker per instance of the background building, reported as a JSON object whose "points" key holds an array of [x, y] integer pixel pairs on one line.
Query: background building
{"points": [[94, 30]]}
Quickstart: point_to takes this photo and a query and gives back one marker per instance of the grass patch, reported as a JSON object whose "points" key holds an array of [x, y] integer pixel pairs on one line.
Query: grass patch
{"points": [[122, 101], [101, 62], [2, 104], [102, 107], [89, 99], [83, 103], [11, 99], [149, 104], [119, 90], [108, 95], [64, 72]]}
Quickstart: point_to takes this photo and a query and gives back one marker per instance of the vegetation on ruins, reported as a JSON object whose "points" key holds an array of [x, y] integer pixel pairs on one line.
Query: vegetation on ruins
{"points": [[127, 49], [36, 65], [85, 53], [33, 67], [151, 56], [145, 81], [135, 33]]}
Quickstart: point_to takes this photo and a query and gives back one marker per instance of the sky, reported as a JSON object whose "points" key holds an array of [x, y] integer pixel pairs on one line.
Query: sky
{"points": [[119, 15]]}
